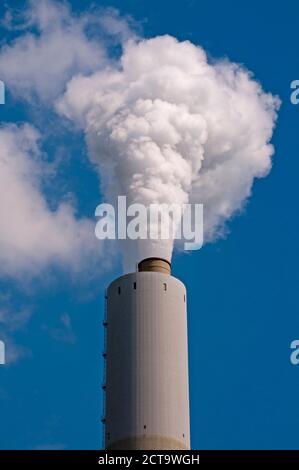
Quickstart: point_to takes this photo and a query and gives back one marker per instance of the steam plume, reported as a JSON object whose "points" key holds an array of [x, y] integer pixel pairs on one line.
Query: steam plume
{"points": [[165, 125]]}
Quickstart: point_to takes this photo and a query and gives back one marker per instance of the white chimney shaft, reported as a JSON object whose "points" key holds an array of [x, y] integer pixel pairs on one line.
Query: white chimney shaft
{"points": [[147, 393]]}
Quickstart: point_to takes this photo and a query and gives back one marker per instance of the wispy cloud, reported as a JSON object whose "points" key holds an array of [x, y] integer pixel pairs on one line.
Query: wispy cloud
{"points": [[64, 331], [32, 235], [37, 64], [13, 319], [54, 44]]}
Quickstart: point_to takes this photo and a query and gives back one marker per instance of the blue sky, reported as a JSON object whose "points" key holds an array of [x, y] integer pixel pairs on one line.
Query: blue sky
{"points": [[242, 290]]}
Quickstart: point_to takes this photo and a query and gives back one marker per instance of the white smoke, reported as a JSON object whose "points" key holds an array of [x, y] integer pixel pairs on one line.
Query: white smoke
{"points": [[165, 125]]}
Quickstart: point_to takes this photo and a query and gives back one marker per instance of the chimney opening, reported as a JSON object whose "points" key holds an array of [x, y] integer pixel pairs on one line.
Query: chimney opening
{"points": [[155, 264]]}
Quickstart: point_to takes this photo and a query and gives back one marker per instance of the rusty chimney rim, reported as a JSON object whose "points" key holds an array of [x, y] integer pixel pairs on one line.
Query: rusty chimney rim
{"points": [[155, 264]]}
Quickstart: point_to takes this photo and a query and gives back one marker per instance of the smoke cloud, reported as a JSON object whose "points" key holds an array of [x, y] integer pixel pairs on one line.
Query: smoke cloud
{"points": [[164, 125]]}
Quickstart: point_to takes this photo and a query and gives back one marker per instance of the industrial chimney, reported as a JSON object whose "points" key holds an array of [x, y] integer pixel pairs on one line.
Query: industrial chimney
{"points": [[146, 385]]}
